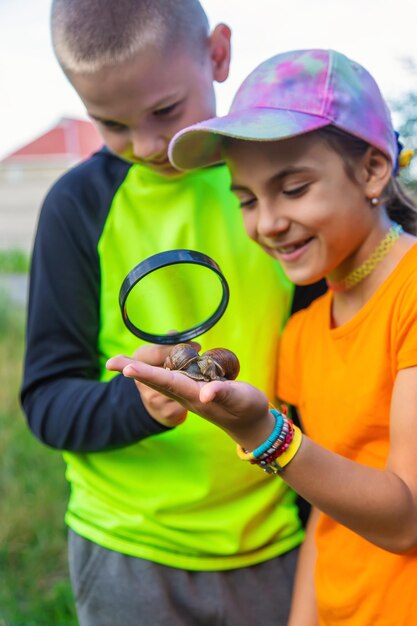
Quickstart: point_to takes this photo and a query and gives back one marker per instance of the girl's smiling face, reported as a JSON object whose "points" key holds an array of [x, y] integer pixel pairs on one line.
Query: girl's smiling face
{"points": [[302, 207]]}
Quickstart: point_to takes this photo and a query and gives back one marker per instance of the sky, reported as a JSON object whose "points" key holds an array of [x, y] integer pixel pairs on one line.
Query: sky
{"points": [[379, 34]]}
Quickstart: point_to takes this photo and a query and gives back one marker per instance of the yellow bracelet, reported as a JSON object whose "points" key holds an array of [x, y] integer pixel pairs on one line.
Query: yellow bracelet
{"points": [[243, 455], [277, 465]]}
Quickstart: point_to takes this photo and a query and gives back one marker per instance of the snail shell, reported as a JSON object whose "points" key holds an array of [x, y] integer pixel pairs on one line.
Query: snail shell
{"points": [[215, 364], [219, 363], [180, 357], [193, 371]]}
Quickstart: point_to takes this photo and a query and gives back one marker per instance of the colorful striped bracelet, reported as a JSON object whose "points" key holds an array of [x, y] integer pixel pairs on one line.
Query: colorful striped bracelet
{"points": [[283, 444], [279, 421], [281, 461], [283, 438], [244, 455], [277, 450]]}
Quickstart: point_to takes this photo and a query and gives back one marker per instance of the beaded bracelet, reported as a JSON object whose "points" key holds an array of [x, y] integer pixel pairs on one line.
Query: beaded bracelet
{"points": [[275, 466], [284, 438], [276, 433], [283, 443], [276, 450], [244, 455]]}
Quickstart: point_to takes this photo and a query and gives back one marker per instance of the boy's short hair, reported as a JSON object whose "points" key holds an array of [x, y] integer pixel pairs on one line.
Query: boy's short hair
{"points": [[90, 34]]}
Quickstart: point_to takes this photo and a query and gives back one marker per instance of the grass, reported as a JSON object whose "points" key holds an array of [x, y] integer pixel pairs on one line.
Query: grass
{"points": [[34, 589], [13, 261]]}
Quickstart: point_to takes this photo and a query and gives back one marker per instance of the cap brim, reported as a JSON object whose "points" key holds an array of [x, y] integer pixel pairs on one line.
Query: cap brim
{"points": [[201, 145]]}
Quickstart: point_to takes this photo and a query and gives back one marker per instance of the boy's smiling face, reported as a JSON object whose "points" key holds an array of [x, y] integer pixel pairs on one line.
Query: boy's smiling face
{"points": [[140, 104]]}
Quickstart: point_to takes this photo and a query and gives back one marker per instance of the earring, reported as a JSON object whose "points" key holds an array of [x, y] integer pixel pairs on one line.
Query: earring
{"points": [[374, 201]]}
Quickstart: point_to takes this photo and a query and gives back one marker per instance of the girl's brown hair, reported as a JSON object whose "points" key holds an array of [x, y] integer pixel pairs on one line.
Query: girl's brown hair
{"points": [[400, 205]]}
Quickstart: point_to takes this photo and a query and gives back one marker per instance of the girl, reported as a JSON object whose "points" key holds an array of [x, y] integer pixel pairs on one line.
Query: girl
{"points": [[312, 153]]}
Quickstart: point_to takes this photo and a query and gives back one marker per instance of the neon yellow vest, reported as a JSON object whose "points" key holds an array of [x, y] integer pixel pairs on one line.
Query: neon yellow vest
{"points": [[183, 498]]}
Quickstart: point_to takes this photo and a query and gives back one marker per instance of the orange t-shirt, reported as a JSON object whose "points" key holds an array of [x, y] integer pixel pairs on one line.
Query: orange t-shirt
{"points": [[341, 379]]}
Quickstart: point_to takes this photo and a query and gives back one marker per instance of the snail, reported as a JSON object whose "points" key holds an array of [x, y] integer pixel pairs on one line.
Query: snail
{"points": [[215, 364], [219, 363], [183, 358]]}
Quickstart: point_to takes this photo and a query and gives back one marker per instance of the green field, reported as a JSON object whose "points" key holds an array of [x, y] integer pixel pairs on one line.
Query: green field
{"points": [[14, 261], [34, 587]]}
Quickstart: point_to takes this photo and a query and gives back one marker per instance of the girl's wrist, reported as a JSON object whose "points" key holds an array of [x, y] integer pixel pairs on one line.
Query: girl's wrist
{"points": [[278, 449], [258, 432]]}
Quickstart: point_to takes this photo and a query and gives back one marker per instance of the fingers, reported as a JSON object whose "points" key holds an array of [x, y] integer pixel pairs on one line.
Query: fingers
{"points": [[171, 383], [213, 391], [152, 354], [117, 363], [142, 372], [155, 355], [235, 397], [161, 392], [164, 410], [149, 353], [228, 395]]}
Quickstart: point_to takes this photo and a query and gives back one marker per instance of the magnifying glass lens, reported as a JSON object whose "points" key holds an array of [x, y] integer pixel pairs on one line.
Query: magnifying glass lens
{"points": [[174, 297]]}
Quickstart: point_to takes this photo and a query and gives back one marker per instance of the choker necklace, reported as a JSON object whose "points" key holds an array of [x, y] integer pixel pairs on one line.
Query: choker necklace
{"points": [[361, 272]]}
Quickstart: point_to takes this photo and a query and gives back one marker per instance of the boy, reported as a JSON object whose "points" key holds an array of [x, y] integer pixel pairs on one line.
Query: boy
{"points": [[159, 533]]}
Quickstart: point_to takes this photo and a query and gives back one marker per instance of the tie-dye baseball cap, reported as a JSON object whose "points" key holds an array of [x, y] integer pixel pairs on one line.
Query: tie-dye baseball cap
{"points": [[288, 95]]}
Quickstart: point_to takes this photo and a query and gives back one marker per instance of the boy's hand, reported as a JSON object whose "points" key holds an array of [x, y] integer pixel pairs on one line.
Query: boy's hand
{"points": [[236, 407], [164, 410]]}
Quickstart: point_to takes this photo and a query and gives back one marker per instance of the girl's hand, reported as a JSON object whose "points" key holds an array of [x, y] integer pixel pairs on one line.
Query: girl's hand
{"points": [[237, 407]]}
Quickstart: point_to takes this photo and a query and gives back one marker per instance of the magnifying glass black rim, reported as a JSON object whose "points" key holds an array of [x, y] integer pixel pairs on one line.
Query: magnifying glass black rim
{"points": [[158, 261]]}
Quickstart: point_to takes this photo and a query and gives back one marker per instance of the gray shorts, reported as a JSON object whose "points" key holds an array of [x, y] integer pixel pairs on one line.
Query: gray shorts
{"points": [[112, 589]]}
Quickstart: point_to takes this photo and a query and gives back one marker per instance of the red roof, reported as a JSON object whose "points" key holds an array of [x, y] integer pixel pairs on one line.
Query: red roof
{"points": [[70, 140]]}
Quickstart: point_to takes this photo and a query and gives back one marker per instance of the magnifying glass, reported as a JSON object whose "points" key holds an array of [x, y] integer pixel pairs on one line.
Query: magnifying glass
{"points": [[179, 289]]}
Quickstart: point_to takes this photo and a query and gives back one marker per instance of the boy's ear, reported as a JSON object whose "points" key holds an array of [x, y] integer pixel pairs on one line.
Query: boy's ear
{"points": [[377, 170], [220, 51]]}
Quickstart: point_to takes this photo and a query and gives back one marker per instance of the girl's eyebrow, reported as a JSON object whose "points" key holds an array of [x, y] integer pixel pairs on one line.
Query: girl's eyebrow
{"points": [[288, 171]]}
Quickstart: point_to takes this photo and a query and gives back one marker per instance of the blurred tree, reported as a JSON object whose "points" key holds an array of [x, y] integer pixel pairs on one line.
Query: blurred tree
{"points": [[405, 116]]}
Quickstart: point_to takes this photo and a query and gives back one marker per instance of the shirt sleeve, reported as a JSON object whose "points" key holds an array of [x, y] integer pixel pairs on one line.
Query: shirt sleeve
{"points": [[66, 405]]}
